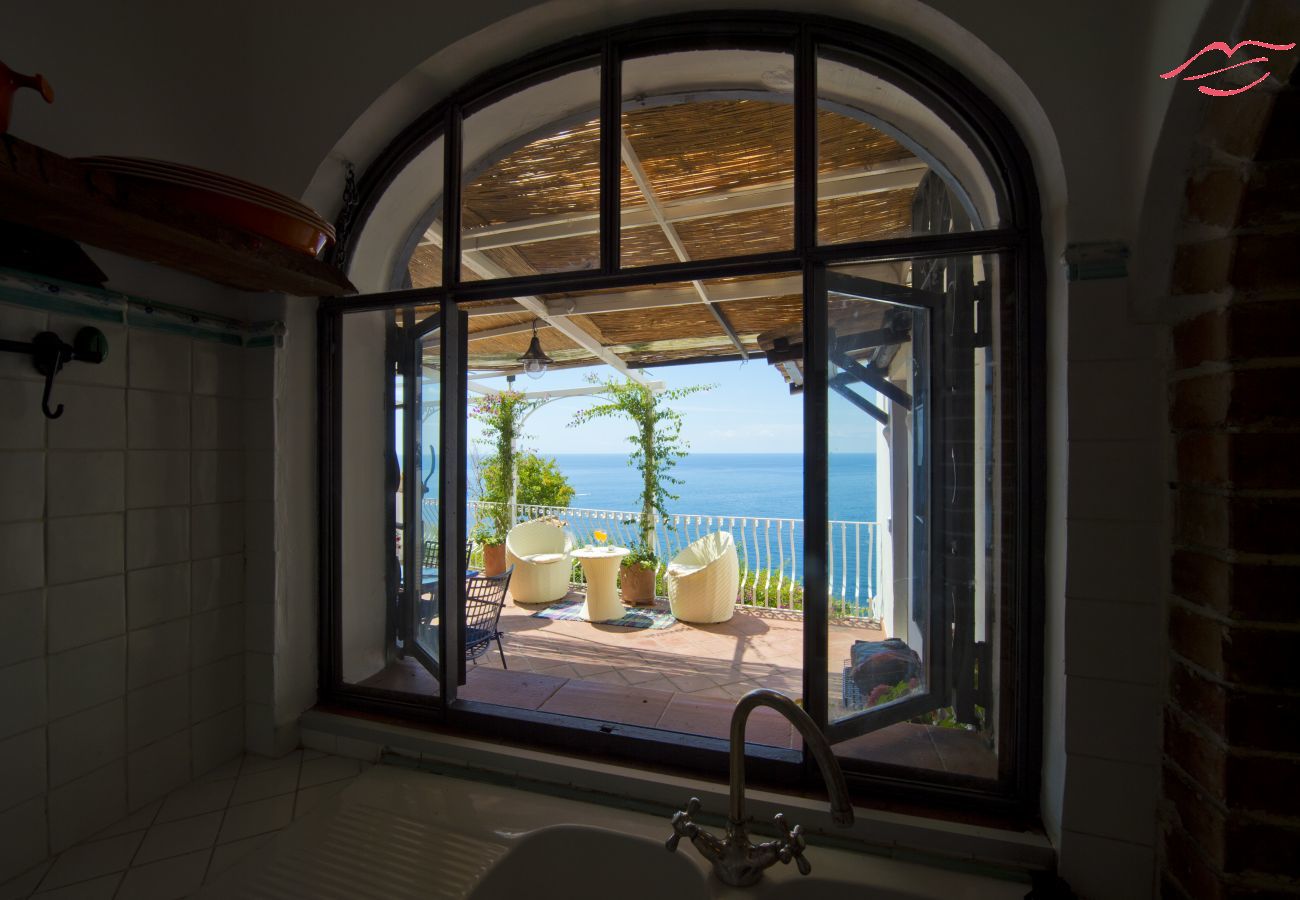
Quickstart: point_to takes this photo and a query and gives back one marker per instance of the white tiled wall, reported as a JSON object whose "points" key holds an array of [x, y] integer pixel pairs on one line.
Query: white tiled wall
{"points": [[1114, 618], [123, 530]]}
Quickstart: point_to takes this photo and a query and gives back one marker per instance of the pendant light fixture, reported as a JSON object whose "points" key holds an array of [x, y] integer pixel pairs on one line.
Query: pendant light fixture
{"points": [[534, 359]]}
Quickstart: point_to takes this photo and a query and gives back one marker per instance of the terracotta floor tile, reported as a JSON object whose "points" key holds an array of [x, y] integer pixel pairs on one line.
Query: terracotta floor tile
{"points": [[520, 690], [710, 716], [965, 752], [688, 684], [903, 744], [628, 705]]}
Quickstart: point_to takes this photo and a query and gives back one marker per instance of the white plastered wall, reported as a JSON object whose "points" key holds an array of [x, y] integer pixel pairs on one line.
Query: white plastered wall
{"points": [[282, 93]]}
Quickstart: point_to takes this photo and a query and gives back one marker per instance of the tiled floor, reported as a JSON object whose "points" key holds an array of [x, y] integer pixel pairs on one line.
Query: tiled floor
{"points": [[174, 846], [684, 678]]}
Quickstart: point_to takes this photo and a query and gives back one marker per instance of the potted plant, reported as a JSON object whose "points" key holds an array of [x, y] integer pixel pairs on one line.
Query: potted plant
{"points": [[658, 446], [637, 576], [493, 541]]}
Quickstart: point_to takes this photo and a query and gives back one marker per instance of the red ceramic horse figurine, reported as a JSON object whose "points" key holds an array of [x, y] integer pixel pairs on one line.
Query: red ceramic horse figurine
{"points": [[11, 81]]}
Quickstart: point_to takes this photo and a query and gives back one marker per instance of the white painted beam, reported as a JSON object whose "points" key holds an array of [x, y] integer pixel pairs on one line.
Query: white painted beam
{"points": [[488, 269], [890, 176], [638, 173]]}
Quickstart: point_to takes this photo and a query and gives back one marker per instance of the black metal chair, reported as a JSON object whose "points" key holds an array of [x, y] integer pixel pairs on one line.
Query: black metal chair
{"points": [[430, 553], [485, 596]]}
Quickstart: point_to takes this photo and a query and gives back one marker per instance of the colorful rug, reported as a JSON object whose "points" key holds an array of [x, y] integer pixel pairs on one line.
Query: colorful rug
{"points": [[635, 617]]}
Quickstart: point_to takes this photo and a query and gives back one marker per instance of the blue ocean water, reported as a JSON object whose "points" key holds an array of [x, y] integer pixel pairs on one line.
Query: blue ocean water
{"points": [[731, 484], [759, 485]]}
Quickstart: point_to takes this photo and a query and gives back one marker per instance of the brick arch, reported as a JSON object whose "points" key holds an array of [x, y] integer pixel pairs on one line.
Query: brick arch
{"points": [[1230, 817]]}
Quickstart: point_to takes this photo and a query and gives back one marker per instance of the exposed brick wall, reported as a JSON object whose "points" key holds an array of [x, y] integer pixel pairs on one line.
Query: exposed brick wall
{"points": [[1231, 783]]}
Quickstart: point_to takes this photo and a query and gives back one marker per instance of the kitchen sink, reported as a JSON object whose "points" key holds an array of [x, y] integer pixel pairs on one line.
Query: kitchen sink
{"points": [[591, 864]]}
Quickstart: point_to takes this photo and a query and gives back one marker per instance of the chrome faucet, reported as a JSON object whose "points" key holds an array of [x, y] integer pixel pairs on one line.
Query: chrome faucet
{"points": [[736, 860]]}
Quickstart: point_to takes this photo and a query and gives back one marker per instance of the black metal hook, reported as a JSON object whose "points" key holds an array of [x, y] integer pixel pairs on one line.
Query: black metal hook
{"points": [[49, 353]]}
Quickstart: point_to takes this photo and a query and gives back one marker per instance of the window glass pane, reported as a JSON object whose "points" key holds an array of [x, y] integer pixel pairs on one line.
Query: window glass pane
{"points": [[531, 181], [887, 165], [708, 155], [372, 543], [401, 244], [723, 602], [923, 455]]}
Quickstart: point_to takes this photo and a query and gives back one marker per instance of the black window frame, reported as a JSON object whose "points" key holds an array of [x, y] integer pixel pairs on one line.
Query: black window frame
{"points": [[1014, 797]]}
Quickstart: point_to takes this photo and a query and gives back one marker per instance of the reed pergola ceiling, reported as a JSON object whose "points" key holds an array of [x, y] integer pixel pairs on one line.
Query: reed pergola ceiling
{"points": [[699, 180]]}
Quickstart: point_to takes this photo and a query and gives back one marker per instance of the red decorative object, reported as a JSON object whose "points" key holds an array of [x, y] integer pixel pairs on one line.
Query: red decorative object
{"points": [[11, 81], [225, 199]]}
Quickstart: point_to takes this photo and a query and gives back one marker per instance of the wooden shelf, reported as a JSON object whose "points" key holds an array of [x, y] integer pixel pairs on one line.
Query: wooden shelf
{"points": [[43, 190]]}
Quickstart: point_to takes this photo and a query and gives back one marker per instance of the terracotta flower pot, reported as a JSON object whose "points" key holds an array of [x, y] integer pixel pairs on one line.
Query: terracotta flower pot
{"points": [[638, 585], [494, 559]]}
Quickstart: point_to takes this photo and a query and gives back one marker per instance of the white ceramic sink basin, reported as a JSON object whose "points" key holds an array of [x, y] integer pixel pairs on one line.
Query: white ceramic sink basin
{"points": [[591, 864], [814, 888]]}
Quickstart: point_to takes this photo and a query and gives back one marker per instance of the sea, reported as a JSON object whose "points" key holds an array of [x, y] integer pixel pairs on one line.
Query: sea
{"points": [[755, 485]]}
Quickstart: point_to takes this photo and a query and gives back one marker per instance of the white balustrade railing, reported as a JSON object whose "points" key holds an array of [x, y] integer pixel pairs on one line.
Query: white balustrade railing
{"points": [[770, 550]]}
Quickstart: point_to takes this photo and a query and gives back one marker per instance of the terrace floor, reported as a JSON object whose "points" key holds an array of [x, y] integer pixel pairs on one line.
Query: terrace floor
{"points": [[683, 678]]}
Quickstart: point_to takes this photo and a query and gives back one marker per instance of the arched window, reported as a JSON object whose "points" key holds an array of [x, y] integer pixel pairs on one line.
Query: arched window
{"points": [[836, 232]]}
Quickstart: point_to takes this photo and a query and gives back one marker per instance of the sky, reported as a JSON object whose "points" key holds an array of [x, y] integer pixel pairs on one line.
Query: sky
{"points": [[749, 409]]}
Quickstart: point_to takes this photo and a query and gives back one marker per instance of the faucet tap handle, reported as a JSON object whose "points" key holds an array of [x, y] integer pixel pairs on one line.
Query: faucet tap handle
{"points": [[682, 824], [793, 845]]}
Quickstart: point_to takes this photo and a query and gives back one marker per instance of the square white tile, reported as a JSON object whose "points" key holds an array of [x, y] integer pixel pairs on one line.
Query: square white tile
{"points": [[159, 362], [217, 581], [176, 838], [157, 711], [26, 833], [82, 482], [22, 483], [158, 652], [86, 676], [255, 818], [94, 418], [261, 785], [157, 595], [259, 424], [101, 888], [216, 740], [89, 804], [22, 697], [217, 634], [217, 423], [216, 688], [154, 771], [196, 799], [22, 767], [84, 547], [216, 529], [23, 635], [22, 555], [22, 424], [92, 860], [157, 421], [218, 369], [85, 612], [327, 769], [158, 536], [157, 478], [168, 879], [259, 678], [218, 476], [227, 855], [85, 741]]}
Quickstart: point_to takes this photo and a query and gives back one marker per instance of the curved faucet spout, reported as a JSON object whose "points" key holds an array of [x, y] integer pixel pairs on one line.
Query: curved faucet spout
{"points": [[841, 807]]}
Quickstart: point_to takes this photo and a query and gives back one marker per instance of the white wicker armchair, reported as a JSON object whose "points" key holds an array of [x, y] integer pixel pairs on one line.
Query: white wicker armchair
{"points": [[539, 551], [704, 579]]}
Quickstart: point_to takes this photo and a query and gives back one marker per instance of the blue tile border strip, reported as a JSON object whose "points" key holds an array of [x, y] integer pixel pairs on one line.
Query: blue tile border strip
{"points": [[51, 295]]}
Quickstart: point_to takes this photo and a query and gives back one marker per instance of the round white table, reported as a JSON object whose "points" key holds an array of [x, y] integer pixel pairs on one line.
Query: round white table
{"points": [[600, 567]]}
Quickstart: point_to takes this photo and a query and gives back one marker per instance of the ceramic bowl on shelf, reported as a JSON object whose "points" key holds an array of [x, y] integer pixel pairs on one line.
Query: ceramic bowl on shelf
{"points": [[225, 199]]}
